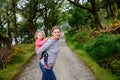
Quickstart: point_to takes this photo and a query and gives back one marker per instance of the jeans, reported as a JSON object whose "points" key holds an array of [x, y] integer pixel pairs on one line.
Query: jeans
{"points": [[47, 74]]}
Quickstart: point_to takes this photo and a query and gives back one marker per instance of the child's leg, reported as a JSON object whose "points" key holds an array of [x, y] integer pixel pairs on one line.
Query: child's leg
{"points": [[46, 66], [45, 58]]}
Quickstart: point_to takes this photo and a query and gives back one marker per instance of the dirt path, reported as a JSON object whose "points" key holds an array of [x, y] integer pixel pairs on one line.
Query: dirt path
{"points": [[67, 67]]}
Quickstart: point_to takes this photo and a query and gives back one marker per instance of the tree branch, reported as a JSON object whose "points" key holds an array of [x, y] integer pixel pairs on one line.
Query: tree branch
{"points": [[77, 4]]}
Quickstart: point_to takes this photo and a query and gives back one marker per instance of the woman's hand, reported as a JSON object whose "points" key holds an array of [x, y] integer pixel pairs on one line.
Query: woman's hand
{"points": [[46, 66]]}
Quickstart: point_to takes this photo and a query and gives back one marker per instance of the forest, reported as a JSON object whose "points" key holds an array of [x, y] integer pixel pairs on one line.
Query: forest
{"points": [[92, 25]]}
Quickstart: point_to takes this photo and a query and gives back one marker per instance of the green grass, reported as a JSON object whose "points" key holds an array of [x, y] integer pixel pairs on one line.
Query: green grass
{"points": [[108, 22], [22, 53], [100, 73]]}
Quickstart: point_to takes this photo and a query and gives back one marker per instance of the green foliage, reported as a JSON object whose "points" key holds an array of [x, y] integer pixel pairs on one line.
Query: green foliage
{"points": [[71, 32], [104, 46], [79, 36], [83, 36], [108, 22], [80, 17], [115, 67], [77, 45]]}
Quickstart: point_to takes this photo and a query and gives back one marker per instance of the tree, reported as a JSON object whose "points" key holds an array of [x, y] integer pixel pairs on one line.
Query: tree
{"points": [[107, 5], [50, 13], [15, 22], [5, 33], [78, 20], [115, 14], [5, 40], [30, 13], [112, 7], [93, 8], [112, 10]]}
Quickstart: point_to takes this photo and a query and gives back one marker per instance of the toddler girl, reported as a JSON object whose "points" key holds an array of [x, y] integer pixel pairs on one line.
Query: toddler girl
{"points": [[40, 40]]}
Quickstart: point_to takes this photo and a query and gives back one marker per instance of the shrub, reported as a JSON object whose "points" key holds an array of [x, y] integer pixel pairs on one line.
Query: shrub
{"points": [[83, 36], [77, 45], [115, 68], [4, 54], [104, 46]]}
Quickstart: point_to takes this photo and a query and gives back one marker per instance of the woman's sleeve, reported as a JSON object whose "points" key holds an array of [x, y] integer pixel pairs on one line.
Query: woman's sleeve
{"points": [[44, 47]]}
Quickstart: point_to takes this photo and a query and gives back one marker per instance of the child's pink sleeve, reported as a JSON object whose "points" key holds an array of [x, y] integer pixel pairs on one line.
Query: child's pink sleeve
{"points": [[40, 43]]}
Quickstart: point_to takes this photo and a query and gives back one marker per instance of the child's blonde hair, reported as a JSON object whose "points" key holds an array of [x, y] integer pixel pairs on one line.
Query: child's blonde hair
{"points": [[37, 32]]}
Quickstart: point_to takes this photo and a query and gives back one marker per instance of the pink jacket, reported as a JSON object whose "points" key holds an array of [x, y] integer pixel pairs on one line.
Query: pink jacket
{"points": [[39, 43]]}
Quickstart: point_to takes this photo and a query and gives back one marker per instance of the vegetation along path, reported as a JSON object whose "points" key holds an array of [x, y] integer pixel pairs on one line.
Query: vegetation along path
{"points": [[67, 67]]}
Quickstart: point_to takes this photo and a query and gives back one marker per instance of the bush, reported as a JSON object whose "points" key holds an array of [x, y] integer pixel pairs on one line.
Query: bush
{"points": [[115, 68], [83, 37], [77, 45], [104, 46], [4, 54]]}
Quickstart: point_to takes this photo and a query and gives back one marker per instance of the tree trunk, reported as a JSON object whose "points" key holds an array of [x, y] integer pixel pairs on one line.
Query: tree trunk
{"points": [[46, 21], [108, 14], [5, 40], [95, 14], [111, 9], [8, 24], [32, 15], [115, 14], [15, 24]]}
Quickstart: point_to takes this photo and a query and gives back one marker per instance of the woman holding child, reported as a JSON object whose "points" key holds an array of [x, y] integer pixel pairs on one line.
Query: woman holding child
{"points": [[50, 47]]}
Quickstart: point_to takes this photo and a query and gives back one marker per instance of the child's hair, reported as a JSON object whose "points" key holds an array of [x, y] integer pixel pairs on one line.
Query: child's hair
{"points": [[37, 32]]}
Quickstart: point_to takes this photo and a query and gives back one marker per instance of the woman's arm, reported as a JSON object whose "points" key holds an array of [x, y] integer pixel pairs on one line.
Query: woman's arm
{"points": [[45, 46]]}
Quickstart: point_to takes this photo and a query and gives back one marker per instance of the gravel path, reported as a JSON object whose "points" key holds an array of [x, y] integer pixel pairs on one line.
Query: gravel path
{"points": [[67, 67]]}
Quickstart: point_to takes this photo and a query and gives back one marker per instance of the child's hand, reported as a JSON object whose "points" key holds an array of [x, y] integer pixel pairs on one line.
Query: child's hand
{"points": [[46, 66], [47, 38]]}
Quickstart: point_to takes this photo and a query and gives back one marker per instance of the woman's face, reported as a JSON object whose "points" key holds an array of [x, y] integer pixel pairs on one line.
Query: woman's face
{"points": [[56, 34]]}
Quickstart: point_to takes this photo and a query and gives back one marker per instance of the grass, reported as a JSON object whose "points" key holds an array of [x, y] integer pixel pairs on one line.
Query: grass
{"points": [[99, 73], [108, 22], [22, 53]]}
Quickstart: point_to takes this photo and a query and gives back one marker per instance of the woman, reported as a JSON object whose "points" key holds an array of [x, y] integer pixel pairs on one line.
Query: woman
{"points": [[52, 48]]}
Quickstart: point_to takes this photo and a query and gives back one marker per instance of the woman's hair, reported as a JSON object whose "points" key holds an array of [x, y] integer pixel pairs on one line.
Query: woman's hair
{"points": [[37, 32], [55, 27]]}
